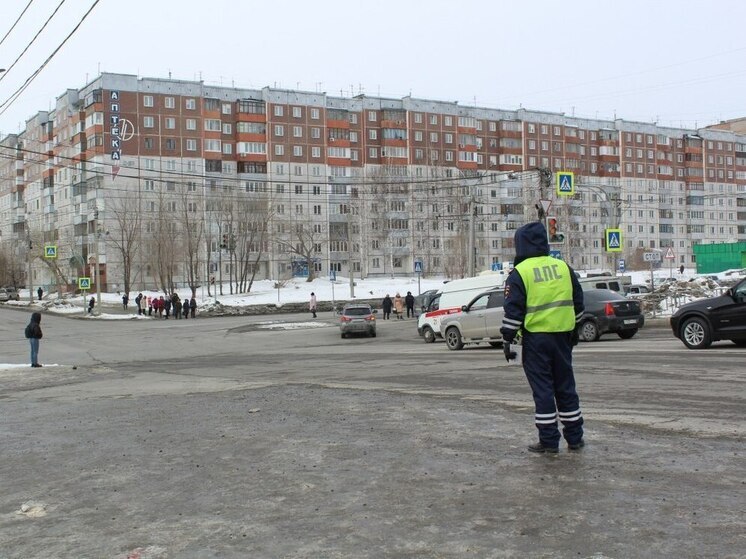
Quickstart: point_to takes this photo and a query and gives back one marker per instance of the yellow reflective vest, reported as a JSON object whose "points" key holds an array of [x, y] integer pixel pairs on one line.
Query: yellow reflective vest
{"points": [[549, 305]]}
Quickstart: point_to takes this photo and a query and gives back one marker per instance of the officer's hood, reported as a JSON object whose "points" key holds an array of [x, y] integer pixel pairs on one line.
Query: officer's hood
{"points": [[36, 317], [530, 241]]}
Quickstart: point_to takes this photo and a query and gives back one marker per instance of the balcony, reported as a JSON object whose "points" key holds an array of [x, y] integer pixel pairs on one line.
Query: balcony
{"points": [[19, 216], [49, 209]]}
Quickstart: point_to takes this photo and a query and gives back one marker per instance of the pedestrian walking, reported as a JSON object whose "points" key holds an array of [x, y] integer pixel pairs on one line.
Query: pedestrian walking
{"points": [[186, 307], [543, 302], [312, 304], [33, 334], [409, 301], [138, 302], [91, 304], [150, 306], [177, 306], [193, 306], [399, 307], [125, 301], [386, 306], [40, 292], [167, 307]]}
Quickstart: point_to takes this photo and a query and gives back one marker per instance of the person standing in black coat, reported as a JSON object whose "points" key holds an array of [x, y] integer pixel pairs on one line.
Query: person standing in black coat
{"points": [[386, 306], [193, 306], [409, 302], [33, 333]]}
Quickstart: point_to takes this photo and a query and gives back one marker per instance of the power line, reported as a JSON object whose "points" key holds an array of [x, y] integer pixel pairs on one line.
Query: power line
{"points": [[14, 96], [31, 42], [16, 22]]}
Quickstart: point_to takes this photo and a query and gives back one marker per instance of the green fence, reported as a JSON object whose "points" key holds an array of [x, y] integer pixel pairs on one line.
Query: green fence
{"points": [[714, 258]]}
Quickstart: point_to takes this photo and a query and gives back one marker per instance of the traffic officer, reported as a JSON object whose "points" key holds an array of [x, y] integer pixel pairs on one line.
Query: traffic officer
{"points": [[543, 304]]}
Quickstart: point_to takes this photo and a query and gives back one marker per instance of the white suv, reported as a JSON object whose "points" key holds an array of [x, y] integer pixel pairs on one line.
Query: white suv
{"points": [[8, 294], [479, 321]]}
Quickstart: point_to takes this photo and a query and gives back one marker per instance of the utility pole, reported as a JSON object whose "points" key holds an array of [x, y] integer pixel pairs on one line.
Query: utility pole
{"points": [[96, 256], [29, 246], [472, 237]]}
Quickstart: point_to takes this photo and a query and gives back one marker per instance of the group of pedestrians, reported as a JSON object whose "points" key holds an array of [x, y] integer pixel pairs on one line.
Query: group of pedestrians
{"points": [[398, 305], [165, 307]]}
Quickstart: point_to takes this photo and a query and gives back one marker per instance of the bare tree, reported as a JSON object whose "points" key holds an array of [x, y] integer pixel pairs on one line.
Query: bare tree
{"points": [[125, 236], [251, 239], [304, 237], [192, 227], [162, 245]]}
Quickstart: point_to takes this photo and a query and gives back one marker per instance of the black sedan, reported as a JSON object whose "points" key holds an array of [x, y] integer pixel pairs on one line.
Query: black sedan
{"points": [[702, 322], [608, 312]]}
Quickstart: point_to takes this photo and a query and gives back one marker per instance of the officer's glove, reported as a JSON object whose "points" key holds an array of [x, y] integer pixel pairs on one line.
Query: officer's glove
{"points": [[510, 355], [575, 336]]}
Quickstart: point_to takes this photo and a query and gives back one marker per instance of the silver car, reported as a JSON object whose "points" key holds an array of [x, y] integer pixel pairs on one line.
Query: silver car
{"points": [[479, 321], [8, 294], [357, 319]]}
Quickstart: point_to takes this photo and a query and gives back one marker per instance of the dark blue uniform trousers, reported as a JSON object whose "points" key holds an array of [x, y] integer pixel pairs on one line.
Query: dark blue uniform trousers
{"points": [[547, 362]]}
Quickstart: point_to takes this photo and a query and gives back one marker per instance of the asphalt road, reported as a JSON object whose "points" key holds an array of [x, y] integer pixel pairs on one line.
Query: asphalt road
{"points": [[222, 437]]}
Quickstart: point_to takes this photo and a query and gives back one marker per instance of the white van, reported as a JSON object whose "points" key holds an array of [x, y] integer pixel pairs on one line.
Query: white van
{"points": [[450, 299], [615, 283]]}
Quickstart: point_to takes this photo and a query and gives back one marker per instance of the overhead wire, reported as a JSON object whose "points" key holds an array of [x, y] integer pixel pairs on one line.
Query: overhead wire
{"points": [[31, 42], [16, 22], [16, 94]]}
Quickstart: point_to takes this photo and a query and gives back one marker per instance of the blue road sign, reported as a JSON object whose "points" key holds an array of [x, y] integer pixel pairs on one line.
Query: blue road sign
{"points": [[613, 240], [497, 266], [621, 264], [418, 266], [555, 254], [565, 183]]}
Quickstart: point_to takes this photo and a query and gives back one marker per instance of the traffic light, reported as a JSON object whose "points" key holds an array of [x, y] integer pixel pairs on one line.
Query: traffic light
{"points": [[553, 233]]}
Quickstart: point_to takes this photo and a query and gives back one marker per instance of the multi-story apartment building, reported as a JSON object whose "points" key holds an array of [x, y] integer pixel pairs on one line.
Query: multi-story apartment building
{"points": [[166, 182]]}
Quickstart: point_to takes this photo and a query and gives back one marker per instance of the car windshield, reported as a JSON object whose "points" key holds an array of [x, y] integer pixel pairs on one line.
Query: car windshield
{"points": [[357, 311]]}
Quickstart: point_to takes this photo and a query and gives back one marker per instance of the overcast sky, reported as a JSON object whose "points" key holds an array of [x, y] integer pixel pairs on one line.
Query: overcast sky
{"points": [[677, 62]]}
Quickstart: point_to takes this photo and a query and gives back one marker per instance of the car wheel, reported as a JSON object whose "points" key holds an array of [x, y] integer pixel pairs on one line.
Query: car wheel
{"points": [[343, 335], [453, 338], [739, 343], [627, 334], [695, 333], [589, 331], [373, 334], [496, 344], [428, 335]]}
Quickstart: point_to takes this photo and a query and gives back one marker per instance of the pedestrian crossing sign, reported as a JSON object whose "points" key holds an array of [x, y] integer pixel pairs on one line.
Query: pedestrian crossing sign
{"points": [[84, 283], [50, 251], [613, 240], [565, 183]]}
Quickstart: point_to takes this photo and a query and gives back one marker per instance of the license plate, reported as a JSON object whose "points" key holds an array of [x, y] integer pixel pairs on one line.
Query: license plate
{"points": [[630, 321]]}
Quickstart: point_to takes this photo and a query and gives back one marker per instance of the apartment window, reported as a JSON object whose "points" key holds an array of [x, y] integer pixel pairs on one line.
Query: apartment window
{"points": [[149, 185], [213, 165], [434, 137], [227, 108], [448, 138], [299, 189], [148, 142], [278, 110], [418, 136], [227, 128], [227, 148], [297, 131], [212, 125], [315, 152], [279, 130], [316, 132], [373, 134], [190, 104], [531, 128], [297, 112], [148, 122], [418, 118], [279, 149], [373, 153], [298, 151], [212, 145], [191, 145], [170, 144], [170, 123], [191, 124], [147, 101], [353, 118], [314, 114], [372, 116]]}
